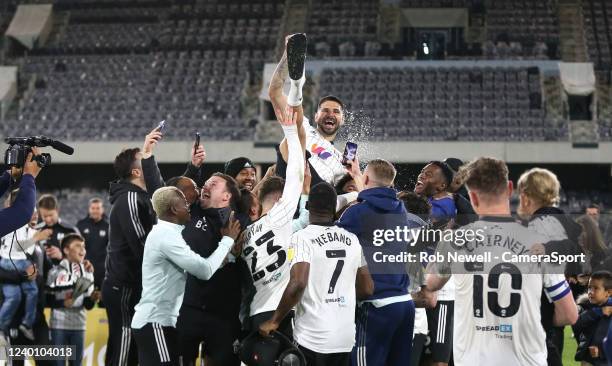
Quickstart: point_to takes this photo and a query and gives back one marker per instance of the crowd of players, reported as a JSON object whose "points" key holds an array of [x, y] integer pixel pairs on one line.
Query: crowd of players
{"points": [[218, 266]]}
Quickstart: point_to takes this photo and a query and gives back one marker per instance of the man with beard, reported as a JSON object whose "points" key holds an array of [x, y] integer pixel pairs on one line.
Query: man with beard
{"points": [[131, 220], [267, 244], [324, 159], [243, 170]]}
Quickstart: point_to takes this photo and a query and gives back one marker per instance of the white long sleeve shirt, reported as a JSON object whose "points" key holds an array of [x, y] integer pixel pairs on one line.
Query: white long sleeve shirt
{"points": [[267, 240]]}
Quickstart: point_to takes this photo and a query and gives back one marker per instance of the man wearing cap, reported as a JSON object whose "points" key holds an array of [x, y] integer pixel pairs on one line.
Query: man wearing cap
{"points": [[243, 170], [324, 159]]}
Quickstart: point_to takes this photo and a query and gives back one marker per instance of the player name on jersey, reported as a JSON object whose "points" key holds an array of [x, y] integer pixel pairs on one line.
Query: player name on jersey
{"points": [[331, 238]]}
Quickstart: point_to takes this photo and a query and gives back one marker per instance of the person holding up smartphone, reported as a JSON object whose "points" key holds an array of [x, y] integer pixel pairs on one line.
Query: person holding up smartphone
{"points": [[152, 175]]}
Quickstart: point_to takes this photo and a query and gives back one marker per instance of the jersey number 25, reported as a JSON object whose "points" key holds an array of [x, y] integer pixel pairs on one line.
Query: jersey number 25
{"points": [[268, 239]]}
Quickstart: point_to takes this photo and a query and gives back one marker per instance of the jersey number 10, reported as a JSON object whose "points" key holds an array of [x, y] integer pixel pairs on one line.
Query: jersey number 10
{"points": [[493, 296]]}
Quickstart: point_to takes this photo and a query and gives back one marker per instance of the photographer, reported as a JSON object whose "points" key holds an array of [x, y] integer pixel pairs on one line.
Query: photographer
{"points": [[49, 212], [20, 212]]}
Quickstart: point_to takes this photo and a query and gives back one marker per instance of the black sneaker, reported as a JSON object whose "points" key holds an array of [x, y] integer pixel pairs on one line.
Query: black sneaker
{"points": [[296, 54]]}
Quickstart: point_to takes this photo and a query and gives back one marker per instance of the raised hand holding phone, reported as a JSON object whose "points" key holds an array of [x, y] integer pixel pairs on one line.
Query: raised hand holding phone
{"points": [[350, 153], [152, 139], [198, 154], [161, 127]]}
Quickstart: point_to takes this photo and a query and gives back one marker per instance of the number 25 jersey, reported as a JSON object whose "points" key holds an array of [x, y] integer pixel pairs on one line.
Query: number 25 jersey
{"points": [[266, 254], [267, 239]]}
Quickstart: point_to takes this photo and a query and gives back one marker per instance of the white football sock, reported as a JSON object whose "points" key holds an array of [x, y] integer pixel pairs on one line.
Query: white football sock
{"points": [[294, 99]]}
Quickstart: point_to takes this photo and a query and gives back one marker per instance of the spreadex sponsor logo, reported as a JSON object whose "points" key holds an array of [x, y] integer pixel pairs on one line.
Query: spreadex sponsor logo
{"points": [[272, 279], [502, 328], [339, 300]]}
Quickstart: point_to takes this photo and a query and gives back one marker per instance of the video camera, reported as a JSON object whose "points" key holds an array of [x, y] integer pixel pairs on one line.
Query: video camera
{"points": [[19, 147]]}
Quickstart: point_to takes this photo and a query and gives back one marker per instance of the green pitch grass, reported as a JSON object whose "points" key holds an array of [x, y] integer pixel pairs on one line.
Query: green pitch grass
{"points": [[569, 349]]}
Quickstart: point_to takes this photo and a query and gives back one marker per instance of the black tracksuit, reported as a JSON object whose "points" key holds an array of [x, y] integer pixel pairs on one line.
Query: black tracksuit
{"points": [[569, 246], [210, 308], [96, 241], [131, 220], [590, 329], [60, 229]]}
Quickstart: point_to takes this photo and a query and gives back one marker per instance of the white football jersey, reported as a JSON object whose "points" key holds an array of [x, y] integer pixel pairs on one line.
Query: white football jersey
{"points": [[324, 157], [14, 244], [325, 316], [497, 307], [267, 239]]}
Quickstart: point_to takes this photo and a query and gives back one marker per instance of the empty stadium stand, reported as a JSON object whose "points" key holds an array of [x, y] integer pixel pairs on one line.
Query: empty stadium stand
{"points": [[333, 23], [598, 32], [114, 68], [434, 104]]}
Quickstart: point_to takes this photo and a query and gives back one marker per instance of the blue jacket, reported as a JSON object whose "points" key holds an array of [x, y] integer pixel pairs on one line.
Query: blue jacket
{"points": [[21, 210], [379, 209]]}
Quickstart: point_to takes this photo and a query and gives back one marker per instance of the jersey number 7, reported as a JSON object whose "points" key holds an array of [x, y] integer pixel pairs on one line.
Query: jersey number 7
{"points": [[492, 296], [337, 270]]}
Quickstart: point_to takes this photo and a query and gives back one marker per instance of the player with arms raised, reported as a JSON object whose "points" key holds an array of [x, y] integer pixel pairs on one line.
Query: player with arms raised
{"points": [[267, 240]]}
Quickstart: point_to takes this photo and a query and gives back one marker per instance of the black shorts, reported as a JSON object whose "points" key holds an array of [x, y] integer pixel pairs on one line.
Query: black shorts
{"points": [[440, 322], [325, 359], [218, 335], [418, 346], [285, 327], [156, 345]]}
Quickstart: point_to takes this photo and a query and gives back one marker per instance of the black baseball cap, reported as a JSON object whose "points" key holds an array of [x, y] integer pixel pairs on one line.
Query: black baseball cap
{"points": [[234, 166]]}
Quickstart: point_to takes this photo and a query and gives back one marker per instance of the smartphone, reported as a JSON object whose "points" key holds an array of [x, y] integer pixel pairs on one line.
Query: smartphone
{"points": [[197, 142], [161, 127], [350, 153]]}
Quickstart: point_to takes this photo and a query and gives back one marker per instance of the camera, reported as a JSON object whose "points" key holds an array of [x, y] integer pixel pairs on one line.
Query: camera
{"points": [[19, 148]]}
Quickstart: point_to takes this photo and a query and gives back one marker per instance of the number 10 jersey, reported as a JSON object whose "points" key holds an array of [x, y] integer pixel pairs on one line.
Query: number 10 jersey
{"points": [[497, 302]]}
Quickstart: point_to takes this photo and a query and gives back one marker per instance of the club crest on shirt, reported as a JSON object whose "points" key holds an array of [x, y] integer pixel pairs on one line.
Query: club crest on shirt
{"points": [[86, 231], [202, 224], [60, 236], [102, 233], [320, 151]]}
